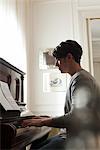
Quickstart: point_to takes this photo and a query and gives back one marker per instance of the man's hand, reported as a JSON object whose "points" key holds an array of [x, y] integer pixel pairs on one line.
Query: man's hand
{"points": [[37, 121]]}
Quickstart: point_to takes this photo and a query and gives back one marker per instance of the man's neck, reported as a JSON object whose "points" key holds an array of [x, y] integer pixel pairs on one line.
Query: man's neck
{"points": [[74, 68]]}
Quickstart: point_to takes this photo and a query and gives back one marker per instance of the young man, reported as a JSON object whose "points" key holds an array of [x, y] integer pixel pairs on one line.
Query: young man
{"points": [[82, 105]]}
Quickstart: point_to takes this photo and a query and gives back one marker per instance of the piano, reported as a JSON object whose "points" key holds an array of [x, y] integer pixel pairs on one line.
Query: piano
{"points": [[12, 135]]}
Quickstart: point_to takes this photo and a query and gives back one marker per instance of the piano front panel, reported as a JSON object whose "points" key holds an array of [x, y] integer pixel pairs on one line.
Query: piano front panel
{"points": [[15, 78], [8, 132], [4, 73]]}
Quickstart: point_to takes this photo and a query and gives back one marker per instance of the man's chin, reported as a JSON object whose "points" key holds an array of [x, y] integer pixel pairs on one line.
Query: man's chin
{"points": [[62, 71]]}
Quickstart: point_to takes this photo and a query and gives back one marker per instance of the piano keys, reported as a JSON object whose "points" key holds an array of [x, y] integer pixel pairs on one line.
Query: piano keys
{"points": [[13, 136]]}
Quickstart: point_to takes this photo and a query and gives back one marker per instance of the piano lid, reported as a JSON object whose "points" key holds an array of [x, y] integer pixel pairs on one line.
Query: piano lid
{"points": [[7, 64]]}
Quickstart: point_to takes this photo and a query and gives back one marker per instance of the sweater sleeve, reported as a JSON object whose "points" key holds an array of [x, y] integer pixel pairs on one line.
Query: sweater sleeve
{"points": [[62, 121], [80, 97]]}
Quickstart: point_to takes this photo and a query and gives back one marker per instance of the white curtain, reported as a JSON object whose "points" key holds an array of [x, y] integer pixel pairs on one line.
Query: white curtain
{"points": [[12, 34], [12, 37]]}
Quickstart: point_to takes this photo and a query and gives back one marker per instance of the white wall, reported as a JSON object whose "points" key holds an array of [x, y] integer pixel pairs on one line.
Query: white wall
{"points": [[96, 60], [96, 49], [51, 22]]}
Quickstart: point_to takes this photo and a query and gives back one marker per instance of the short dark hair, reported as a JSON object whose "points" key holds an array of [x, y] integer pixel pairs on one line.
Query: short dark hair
{"points": [[66, 47]]}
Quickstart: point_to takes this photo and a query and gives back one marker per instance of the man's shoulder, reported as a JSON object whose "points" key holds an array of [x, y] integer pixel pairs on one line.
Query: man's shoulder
{"points": [[82, 78]]}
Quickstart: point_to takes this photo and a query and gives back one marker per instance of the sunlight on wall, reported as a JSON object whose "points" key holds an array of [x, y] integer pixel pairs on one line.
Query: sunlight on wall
{"points": [[12, 44]]}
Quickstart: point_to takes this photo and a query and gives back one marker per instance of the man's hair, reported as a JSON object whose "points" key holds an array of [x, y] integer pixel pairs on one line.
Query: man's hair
{"points": [[66, 47]]}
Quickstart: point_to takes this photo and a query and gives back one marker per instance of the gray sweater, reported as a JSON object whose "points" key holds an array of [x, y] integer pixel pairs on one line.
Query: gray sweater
{"points": [[82, 105]]}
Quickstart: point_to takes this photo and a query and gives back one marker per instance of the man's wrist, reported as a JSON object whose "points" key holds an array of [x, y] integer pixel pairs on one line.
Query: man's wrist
{"points": [[46, 122]]}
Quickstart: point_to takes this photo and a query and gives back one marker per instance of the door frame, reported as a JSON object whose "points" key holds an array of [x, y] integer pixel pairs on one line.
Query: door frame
{"points": [[85, 15]]}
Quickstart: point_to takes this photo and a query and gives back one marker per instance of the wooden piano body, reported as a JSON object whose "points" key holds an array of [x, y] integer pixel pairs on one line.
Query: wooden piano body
{"points": [[12, 135]]}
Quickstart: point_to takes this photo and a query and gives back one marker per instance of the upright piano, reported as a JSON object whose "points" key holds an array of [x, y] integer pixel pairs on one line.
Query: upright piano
{"points": [[12, 135]]}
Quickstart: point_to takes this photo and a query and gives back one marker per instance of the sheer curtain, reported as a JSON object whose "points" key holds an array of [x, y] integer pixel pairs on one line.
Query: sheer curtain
{"points": [[12, 33]]}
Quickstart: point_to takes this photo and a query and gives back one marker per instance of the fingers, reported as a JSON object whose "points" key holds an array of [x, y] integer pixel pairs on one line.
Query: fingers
{"points": [[31, 122], [35, 121], [26, 123]]}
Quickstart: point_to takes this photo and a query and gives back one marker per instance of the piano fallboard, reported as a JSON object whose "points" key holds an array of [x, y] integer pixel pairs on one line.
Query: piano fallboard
{"points": [[15, 120]]}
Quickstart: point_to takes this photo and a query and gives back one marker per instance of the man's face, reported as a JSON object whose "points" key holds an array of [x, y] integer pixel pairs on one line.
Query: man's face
{"points": [[62, 65]]}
